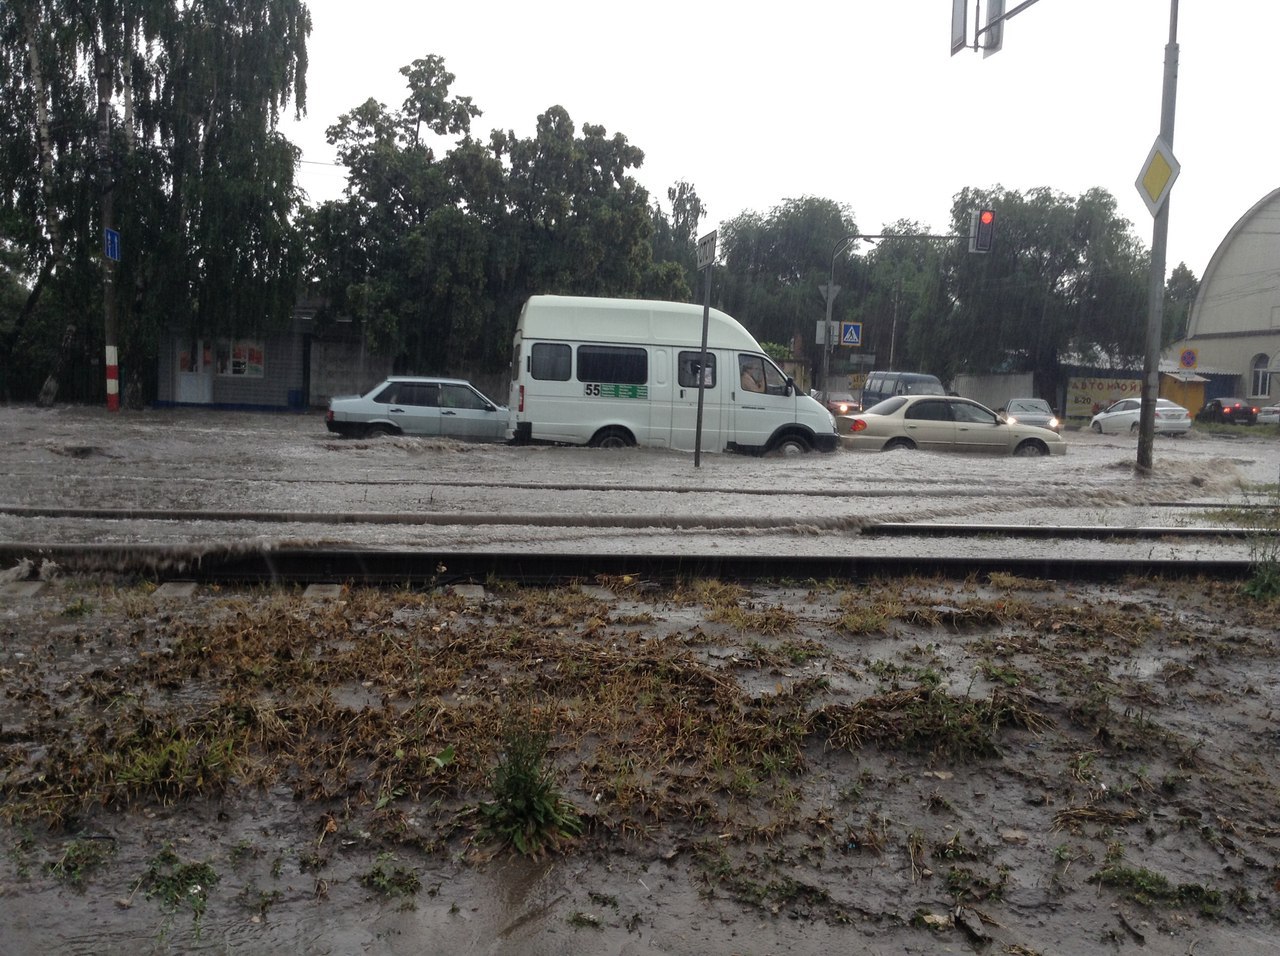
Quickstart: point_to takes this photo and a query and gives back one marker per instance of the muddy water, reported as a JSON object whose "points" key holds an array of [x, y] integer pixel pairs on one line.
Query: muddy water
{"points": [[570, 498]]}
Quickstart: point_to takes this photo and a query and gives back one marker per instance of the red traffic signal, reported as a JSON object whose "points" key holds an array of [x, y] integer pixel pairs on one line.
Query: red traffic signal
{"points": [[982, 232]]}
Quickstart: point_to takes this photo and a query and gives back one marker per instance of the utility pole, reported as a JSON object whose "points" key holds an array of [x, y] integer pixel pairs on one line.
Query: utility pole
{"points": [[1159, 245], [110, 238]]}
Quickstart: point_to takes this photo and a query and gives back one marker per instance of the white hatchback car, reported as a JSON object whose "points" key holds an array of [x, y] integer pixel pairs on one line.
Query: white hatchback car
{"points": [[1122, 416], [443, 407], [1269, 415]]}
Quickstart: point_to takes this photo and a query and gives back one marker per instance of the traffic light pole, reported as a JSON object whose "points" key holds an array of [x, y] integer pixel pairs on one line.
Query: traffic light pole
{"points": [[1159, 245]]}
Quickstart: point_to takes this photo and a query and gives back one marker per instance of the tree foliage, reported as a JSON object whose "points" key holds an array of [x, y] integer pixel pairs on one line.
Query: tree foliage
{"points": [[774, 266], [440, 238], [160, 119]]}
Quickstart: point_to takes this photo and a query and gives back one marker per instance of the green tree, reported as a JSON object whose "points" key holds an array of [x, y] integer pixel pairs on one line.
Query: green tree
{"points": [[775, 265], [901, 289], [1065, 278], [441, 237], [1180, 293], [675, 241], [158, 119]]}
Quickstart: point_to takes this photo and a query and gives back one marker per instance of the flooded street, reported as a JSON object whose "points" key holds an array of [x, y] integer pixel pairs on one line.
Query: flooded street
{"points": [[882, 766], [223, 470]]}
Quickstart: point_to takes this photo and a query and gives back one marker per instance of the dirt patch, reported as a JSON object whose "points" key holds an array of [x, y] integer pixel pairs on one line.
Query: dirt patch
{"points": [[999, 765]]}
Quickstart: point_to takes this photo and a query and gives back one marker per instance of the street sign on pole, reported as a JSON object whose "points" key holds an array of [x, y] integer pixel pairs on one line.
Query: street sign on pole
{"points": [[706, 250], [851, 334], [1158, 175], [111, 244]]}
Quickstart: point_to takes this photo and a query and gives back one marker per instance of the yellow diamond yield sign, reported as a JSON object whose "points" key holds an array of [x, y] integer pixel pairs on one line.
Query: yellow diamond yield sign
{"points": [[1158, 175]]}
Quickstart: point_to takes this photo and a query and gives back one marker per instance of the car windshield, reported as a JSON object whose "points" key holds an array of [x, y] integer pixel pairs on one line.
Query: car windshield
{"points": [[1030, 405]]}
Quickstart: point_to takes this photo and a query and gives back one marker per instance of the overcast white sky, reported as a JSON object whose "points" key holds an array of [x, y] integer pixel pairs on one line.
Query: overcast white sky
{"points": [[859, 102]]}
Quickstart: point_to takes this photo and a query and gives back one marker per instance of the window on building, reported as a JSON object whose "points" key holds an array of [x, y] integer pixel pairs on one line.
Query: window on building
{"points": [[1261, 377], [613, 364], [549, 362], [240, 357]]}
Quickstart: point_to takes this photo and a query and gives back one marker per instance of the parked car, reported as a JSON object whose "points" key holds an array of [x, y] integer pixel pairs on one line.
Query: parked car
{"points": [[1031, 411], [445, 407], [1269, 415], [1122, 416], [839, 403], [943, 423], [1229, 411]]}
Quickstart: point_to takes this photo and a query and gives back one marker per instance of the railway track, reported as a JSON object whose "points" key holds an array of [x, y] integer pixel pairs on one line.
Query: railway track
{"points": [[1065, 553]]}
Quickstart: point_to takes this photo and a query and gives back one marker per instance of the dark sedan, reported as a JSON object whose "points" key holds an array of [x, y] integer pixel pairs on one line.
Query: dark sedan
{"points": [[1228, 411]]}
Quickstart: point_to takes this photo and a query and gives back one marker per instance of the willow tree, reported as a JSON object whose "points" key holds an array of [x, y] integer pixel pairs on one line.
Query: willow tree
{"points": [[157, 119], [1064, 280]]}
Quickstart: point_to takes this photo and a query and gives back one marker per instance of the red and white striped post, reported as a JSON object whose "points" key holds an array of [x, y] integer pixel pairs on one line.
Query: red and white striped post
{"points": [[113, 379]]}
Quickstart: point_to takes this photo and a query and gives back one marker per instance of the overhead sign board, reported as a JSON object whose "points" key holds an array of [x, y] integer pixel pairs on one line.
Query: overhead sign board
{"points": [[1158, 175], [959, 25]]}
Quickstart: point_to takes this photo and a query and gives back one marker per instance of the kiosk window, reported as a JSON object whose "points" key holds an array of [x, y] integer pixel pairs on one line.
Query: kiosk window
{"points": [[613, 364], [549, 362]]}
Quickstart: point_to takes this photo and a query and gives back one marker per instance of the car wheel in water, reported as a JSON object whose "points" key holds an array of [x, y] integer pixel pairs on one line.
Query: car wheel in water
{"points": [[903, 444], [791, 446], [1031, 449], [612, 438], [1097, 428], [374, 431]]}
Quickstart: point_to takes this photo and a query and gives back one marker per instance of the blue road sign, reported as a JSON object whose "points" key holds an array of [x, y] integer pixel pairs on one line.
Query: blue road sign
{"points": [[850, 333], [111, 244]]}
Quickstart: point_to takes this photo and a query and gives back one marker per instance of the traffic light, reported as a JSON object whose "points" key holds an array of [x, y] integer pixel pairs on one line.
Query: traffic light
{"points": [[982, 231]]}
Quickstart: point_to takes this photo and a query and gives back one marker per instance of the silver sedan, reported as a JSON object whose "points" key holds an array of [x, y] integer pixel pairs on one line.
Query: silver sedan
{"points": [[943, 423], [443, 407]]}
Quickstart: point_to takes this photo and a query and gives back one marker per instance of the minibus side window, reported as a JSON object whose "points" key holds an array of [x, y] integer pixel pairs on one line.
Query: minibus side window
{"points": [[691, 363], [550, 362], [613, 364]]}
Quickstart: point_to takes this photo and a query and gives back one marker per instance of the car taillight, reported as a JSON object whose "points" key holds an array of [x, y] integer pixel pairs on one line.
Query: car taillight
{"points": [[859, 424], [328, 416], [520, 404]]}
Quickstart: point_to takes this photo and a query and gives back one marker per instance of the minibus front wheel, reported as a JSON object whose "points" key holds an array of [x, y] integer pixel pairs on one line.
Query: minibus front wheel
{"points": [[612, 438], [790, 445]]}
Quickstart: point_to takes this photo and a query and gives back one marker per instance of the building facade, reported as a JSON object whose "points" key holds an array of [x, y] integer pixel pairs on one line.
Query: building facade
{"points": [[1233, 332]]}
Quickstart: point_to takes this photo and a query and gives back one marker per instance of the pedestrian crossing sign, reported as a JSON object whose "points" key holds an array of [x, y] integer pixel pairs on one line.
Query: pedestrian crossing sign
{"points": [[850, 333]]}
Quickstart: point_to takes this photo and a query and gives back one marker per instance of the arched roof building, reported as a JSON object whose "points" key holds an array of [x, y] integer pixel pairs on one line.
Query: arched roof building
{"points": [[1233, 331]]}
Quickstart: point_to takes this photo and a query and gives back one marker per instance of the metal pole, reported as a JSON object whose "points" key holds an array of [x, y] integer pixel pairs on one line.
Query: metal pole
{"points": [[826, 326], [702, 365], [1159, 245]]}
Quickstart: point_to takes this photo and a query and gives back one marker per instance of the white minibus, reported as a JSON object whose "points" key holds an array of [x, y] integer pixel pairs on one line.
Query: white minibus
{"points": [[618, 372]]}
